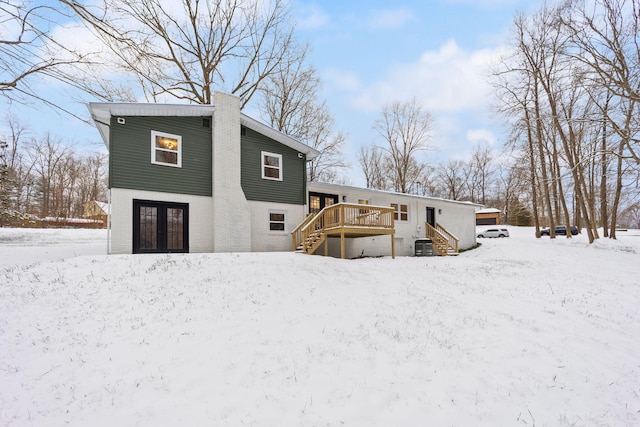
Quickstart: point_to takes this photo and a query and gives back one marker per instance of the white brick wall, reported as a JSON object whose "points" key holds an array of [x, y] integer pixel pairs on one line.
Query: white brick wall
{"points": [[231, 213], [457, 217], [121, 231], [264, 240]]}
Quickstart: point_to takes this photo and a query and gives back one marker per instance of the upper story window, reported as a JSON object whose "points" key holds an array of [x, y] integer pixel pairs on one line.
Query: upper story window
{"points": [[271, 166], [401, 212], [166, 149]]}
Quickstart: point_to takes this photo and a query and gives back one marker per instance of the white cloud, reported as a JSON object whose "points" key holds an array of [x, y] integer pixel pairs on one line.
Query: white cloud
{"points": [[389, 18], [311, 17], [481, 135], [445, 80]]}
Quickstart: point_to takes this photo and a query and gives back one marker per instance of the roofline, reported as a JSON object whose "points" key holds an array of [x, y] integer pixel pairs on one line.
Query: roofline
{"points": [[101, 113], [415, 196], [251, 123]]}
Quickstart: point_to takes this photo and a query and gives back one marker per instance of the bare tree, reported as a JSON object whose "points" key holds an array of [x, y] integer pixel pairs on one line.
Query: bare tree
{"points": [[516, 103], [405, 128], [15, 174], [607, 38], [43, 177], [7, 185], [290, 104], [372, 165], [511, 188], [478, 173], [51, 159], [28, 51], [188, 50], [556, 109], [450, 175], [325, 167]]}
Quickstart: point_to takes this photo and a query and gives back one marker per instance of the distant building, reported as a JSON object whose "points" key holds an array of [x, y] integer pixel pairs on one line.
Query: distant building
{"points": [[488, 216], [96, 210]]}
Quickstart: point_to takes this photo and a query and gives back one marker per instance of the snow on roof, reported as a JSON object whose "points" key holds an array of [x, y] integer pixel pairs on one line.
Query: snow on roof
{"points": [[103, 205], [488, 210], [316, 185]]}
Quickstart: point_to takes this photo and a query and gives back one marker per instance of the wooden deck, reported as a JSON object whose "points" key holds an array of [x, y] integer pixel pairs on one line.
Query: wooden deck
{"points": [[343, 220], [348, 220]]}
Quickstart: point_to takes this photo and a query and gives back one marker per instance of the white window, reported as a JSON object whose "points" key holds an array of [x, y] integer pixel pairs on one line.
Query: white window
{"points": [[401, 212], [363, 211], [277, 221], [271, 166], [166, 149]]}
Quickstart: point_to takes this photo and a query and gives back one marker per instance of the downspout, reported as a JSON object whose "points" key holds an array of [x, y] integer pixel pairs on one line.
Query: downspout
{"points": [[109, 223]]}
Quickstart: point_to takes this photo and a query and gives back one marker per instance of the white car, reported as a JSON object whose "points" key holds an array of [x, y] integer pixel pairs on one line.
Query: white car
{"points": [[494, 232]]}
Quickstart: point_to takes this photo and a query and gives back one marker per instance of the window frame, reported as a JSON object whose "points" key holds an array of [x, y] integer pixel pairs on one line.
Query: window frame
{"points": [[155, 149], [263, 165], [363, 210], [398, 213], [161, 231], [284, 221]]}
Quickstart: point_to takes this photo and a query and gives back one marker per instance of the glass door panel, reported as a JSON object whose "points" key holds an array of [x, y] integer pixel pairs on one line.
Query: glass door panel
{"points": [[175, 228], [148, 227]]}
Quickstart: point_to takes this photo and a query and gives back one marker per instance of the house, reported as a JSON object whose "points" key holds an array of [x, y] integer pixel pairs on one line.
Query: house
{"points": [[208, 178], [200, 178], [96, 210], [488, 216], [414, 217]]}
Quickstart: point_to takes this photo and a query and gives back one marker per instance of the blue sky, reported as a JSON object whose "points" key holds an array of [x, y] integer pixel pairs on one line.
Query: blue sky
{"points": [[371, 52]]}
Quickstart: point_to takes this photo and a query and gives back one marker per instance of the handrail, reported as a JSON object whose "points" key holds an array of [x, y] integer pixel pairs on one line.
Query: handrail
{"points": [[296, 234], [444, 240], [341, 215], [453, 240]]}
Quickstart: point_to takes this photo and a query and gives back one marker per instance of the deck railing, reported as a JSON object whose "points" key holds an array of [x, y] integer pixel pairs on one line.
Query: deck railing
{"points": [[341, 216], [296, 234], [352, 215]]}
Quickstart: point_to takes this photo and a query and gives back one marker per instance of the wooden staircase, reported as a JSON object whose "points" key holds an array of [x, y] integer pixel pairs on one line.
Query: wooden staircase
{"points": [[312, 242], [444, 243]]}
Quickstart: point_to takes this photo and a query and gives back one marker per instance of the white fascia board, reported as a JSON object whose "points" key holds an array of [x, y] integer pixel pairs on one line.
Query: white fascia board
{"points": [[101, 112], [314, 186], [251, 123]]}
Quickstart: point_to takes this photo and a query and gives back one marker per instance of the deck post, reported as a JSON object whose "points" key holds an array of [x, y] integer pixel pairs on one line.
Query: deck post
{"points": [[342, 245], [393, 246]]}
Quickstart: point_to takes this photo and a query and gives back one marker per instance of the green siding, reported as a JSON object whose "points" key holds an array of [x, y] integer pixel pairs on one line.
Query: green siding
{"points": [[292, 187], [130, 156]]}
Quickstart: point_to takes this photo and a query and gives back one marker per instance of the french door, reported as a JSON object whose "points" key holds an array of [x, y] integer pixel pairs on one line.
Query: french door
{"points": [[318, 201], [160, 227]]}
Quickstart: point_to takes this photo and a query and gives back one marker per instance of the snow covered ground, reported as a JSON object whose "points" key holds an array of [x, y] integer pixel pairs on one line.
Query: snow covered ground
{"points": [[521, 331]]}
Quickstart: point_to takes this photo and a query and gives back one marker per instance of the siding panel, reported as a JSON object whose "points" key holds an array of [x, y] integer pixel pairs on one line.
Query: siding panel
{"points": [[292, 187], [130, 156]]}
